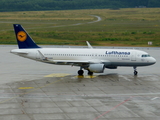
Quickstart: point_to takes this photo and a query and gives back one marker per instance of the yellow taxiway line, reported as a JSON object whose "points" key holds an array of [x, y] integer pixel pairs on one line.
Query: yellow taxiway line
{"points": [[57, 75], [87, 76], [64, 75], [25, 87]]}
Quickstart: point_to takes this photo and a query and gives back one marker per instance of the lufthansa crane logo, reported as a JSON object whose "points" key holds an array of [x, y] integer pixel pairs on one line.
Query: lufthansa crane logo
{"points": [[21, 36]]}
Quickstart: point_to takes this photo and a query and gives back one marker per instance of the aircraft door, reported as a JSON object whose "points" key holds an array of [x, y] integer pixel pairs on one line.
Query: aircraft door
{"points": [[133, 56]]}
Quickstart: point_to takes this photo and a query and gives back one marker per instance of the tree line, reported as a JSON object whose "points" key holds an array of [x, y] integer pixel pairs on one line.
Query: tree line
{"points": [[37, 5]]}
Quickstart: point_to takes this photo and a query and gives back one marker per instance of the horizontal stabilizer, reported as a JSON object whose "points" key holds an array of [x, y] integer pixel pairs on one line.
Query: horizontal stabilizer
{"points": [[18, 51]]}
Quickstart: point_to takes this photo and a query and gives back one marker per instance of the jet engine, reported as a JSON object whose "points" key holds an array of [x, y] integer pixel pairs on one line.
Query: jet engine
{"points": [[96, 68]]}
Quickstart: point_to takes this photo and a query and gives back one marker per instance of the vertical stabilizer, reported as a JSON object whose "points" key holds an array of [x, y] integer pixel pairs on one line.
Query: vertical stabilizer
{"points": [[23, 39]]}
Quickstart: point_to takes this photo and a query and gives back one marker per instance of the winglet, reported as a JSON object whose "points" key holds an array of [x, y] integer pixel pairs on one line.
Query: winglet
{"points": [[42, 56], [89, 45], [23, 39]]}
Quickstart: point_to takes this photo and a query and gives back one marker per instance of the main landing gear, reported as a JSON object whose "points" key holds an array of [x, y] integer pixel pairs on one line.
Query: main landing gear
{"points": [[135, 71], [90, 73], [80, 72]]}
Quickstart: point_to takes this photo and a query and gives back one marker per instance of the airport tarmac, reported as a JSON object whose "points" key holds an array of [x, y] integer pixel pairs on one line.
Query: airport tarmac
{"points": [[31, 90]]}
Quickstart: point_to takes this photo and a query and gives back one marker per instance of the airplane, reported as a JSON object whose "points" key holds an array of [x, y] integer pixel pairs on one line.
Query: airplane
{"points": [[91, 59]]}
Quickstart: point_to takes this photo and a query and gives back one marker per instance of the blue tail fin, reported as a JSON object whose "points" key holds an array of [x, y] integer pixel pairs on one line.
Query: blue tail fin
{"points": [[23, 39]]}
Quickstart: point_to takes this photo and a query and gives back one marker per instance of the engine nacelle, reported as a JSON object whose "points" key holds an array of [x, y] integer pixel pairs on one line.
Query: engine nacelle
{"points": [[96, 68]]}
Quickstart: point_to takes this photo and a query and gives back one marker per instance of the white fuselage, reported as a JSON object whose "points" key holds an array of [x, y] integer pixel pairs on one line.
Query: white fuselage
{"points": [[68, 56]]}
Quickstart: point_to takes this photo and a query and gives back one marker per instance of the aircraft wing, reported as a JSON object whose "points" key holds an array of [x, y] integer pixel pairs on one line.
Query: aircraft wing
{"points": [[80, 62], [71, 62]]}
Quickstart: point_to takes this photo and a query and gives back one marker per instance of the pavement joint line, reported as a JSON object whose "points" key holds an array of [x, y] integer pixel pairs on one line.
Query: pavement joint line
{"points": [[155, 98], [114, 107], [4, 101], [8, 99]]}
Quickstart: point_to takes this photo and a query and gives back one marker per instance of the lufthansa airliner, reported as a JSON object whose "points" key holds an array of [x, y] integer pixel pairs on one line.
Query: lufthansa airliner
{"points": [[92, 60]]}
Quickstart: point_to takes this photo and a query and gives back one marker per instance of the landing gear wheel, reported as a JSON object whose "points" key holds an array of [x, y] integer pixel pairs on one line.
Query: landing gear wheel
{"points": [[90, 73], [135, 72], [80, 72]]}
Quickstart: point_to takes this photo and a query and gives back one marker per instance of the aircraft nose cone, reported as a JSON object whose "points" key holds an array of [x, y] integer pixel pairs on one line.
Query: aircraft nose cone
{"points": [[153, 60]]}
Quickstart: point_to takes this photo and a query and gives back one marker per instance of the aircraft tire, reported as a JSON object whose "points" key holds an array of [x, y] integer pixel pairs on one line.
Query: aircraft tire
{"points": [[135, 73], [90, 73], [80, 72]]}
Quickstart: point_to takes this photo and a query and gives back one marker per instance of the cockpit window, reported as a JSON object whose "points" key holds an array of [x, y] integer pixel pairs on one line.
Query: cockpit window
{"points": [[145, 55]]}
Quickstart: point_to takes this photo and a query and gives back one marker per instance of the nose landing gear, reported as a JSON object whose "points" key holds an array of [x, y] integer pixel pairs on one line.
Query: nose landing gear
{"points": [[135, 70]]}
